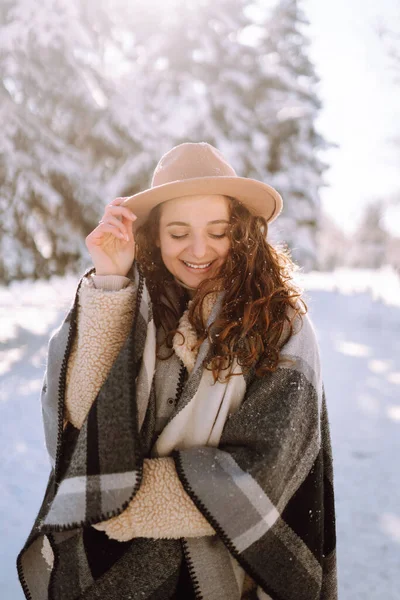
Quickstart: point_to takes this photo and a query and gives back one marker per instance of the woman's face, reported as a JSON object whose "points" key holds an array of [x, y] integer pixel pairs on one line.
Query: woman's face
{"points": [[193, 236]]}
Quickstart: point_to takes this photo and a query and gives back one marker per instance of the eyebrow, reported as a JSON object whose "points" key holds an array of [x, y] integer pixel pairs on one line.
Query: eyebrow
{"points": [[188, 224]]}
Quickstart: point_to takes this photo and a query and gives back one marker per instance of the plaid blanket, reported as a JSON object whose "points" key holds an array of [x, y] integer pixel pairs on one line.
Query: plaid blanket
{"points": [[267, 489]]}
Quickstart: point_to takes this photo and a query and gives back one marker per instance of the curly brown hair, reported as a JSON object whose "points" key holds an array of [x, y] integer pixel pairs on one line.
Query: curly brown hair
{"points": [[259, 290]]}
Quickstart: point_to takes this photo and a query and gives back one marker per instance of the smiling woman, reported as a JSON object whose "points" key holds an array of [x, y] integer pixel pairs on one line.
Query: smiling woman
{"points": [[184, 409], [198, 247], [206, 243]]}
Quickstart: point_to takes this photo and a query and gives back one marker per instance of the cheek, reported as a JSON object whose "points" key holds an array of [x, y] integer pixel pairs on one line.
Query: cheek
{"points": [[225, 249], [169, 249]]}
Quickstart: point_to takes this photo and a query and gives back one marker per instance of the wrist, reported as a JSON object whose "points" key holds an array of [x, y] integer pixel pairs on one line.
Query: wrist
{"points": [[110, 282]]}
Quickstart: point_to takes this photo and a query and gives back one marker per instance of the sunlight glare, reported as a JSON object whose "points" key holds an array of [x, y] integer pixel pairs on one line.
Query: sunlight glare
{"points": [[379, 366], [390, 524], [353, 349], [393, 412], [394, 378]]}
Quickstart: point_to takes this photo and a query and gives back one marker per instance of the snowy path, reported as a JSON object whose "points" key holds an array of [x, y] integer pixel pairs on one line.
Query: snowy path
{"points": [[360, 349]]}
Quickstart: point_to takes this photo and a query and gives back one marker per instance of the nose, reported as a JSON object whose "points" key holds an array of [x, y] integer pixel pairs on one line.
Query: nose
{"points": [[199, 246]]}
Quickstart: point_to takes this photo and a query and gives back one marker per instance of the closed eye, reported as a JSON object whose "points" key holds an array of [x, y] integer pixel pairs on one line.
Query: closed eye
{"points": [[179, 237]]}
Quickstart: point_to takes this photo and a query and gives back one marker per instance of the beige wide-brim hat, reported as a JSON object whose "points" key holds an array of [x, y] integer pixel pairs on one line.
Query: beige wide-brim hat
{"points": [[191, 169]]}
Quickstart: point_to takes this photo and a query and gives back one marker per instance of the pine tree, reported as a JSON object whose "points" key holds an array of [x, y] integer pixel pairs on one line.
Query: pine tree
{"points": [[66, 142], [287, 106], [92, 97], [199, 74], [242, 81], [43, 168]]}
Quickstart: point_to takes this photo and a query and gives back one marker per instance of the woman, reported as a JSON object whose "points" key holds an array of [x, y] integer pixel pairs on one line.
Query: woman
{"points": [[183, 406]]}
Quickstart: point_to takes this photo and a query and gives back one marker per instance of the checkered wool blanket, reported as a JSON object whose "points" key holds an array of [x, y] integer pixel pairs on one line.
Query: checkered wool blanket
{"points": [[267, 489]]}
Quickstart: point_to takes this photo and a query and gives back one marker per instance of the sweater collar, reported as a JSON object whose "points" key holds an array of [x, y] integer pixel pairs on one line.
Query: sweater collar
{"points": [[184, 349]]}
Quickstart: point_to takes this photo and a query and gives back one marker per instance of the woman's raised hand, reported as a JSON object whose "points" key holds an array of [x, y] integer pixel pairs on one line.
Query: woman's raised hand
{"points": [[112, 245]]}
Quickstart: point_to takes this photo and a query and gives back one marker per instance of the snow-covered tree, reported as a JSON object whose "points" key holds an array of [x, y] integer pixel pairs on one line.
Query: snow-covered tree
{"points": [[332, 244], [92, 94], [287, 105], [199, 75], [369, 242], [393, 253], [66, 142], [43, 170], [390, 37], [241, 80]]}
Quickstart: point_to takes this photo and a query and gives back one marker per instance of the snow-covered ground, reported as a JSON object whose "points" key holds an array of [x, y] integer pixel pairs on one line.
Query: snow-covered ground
{"points": [[357, 319]]}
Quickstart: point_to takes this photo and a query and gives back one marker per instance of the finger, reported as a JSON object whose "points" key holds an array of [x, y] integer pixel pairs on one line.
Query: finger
{"points": [[114, 221], [129, 228], [116, 201], [103, 228], [123, 234], [120, 210]]}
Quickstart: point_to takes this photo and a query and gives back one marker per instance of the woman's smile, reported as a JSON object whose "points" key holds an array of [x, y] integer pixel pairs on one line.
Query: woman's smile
{"points": [[199, 268], [194, 227]]}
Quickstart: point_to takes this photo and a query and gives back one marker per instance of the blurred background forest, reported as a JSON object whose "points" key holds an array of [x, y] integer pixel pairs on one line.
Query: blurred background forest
{"points": [[93, 93], [301, 94]]}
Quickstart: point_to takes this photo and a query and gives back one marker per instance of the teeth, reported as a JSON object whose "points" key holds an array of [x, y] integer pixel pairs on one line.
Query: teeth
{"points": [[197, 266]]}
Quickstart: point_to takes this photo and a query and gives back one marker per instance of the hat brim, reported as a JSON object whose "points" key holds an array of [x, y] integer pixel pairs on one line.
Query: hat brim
{"points": [[260, 198]]}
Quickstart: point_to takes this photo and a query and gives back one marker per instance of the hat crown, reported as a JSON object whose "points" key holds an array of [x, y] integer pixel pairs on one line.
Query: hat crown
{"points": [[190, 160]]}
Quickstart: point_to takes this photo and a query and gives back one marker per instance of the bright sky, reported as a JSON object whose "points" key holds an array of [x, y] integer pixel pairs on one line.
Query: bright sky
{"points": [[361, 105]]}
